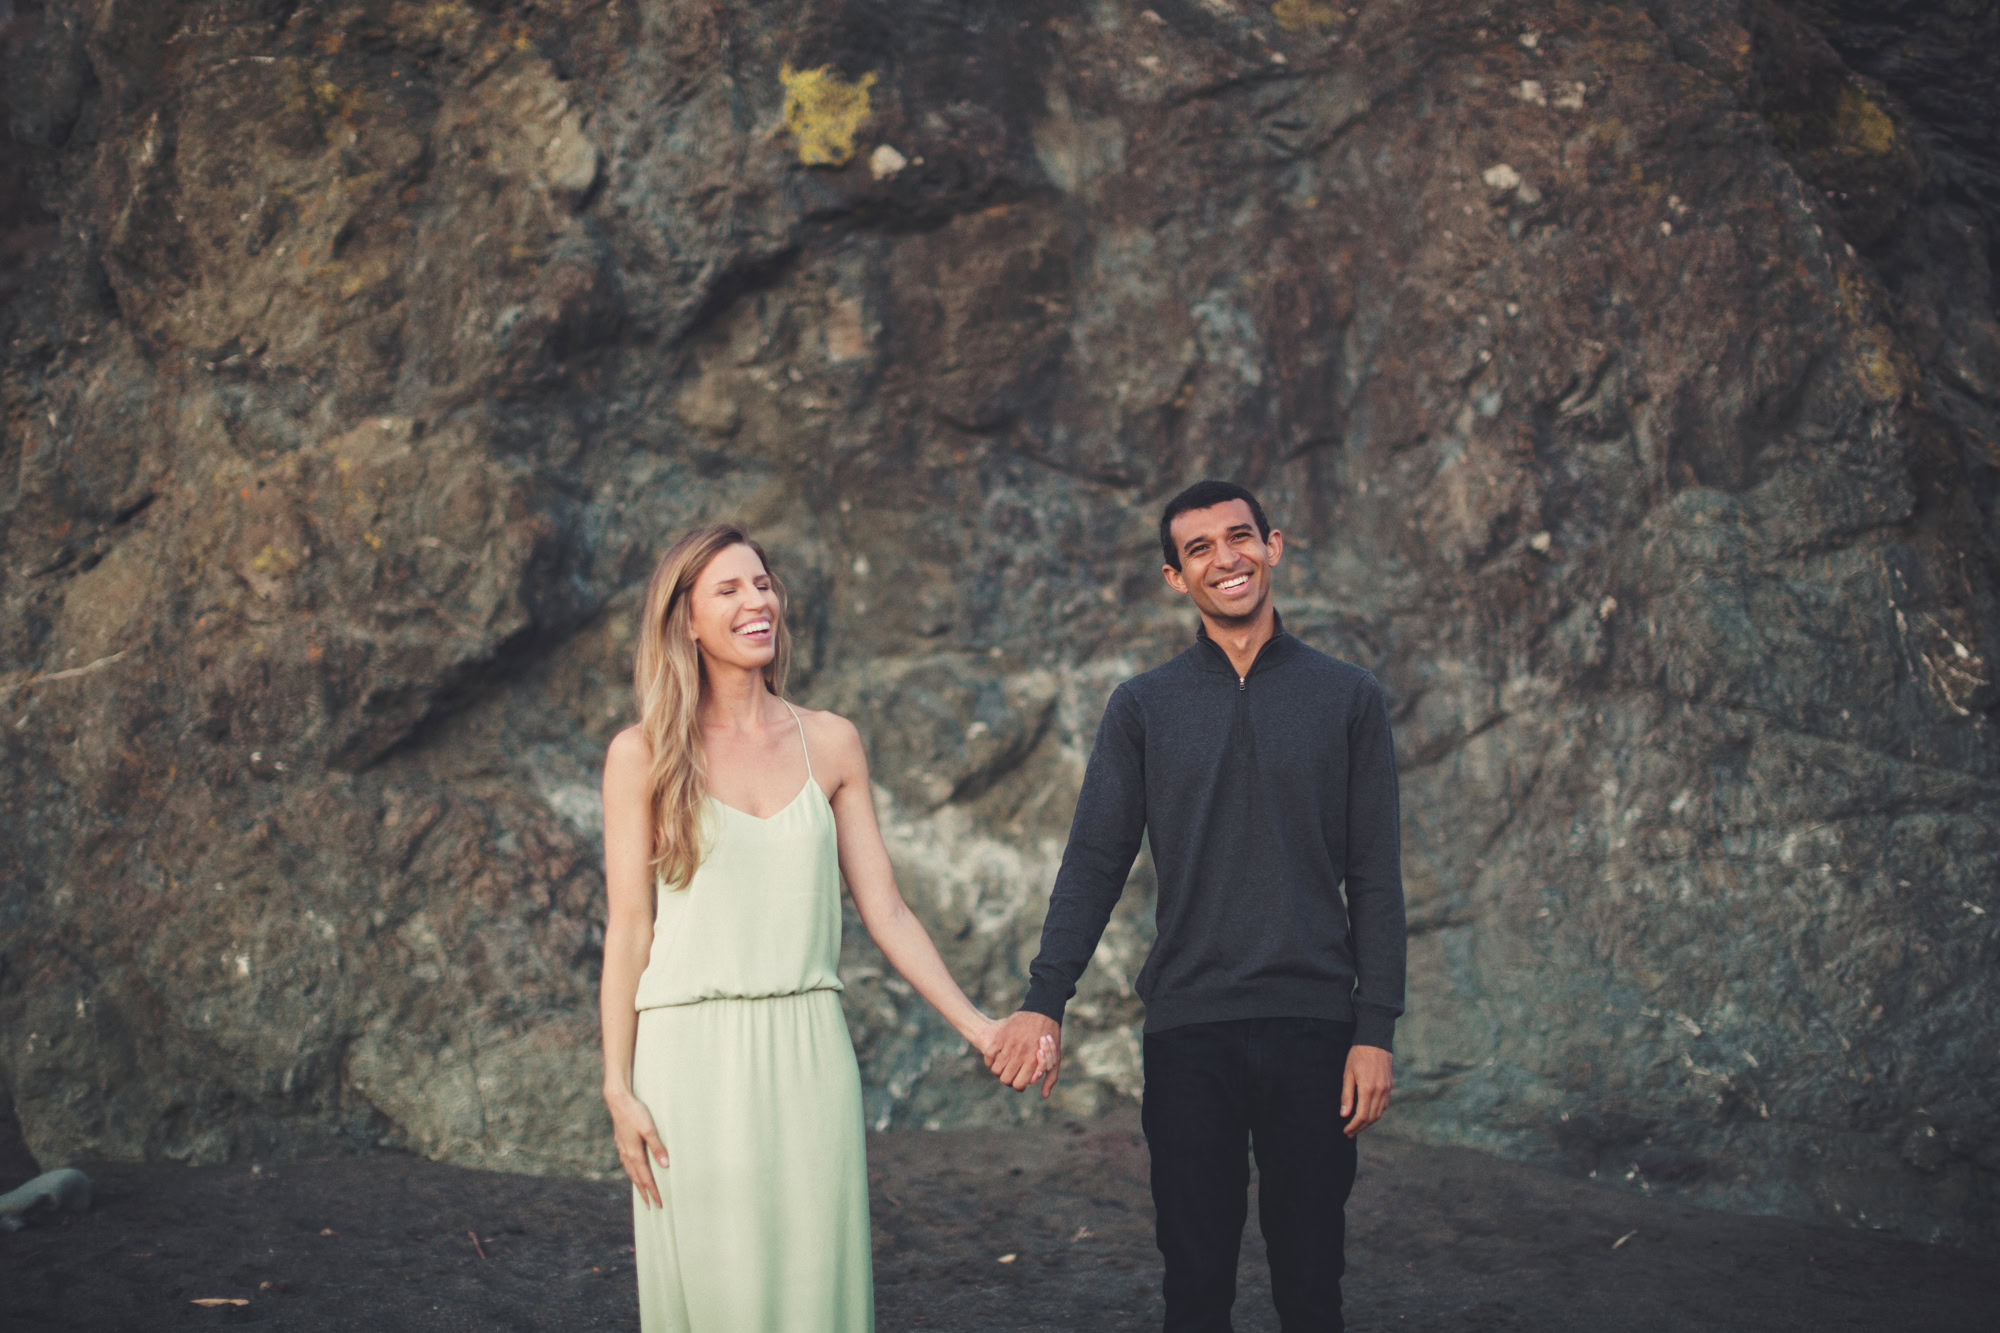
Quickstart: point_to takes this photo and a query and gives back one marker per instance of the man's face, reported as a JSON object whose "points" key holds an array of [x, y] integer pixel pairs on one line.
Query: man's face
{"points": [[1225, 565]]}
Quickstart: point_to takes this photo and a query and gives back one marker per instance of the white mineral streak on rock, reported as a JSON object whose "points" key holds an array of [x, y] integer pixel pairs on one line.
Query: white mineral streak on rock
{"points": [[579, 804], [982, 891], [885, 162], [845, 331], [1228, 335], [1500, 176], [1531, 91], [1111, 1057], [1569, 96], [961, 877], [533, 133], [1074, 152]]}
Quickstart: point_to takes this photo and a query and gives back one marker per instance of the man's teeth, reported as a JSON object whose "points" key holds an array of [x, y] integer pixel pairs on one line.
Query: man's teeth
{"points": [[1231, 585]]}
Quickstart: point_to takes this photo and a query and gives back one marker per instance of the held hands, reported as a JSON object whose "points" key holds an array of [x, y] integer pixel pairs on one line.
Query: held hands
{"points": [[1026, 1048], [632, 1126], [1364, 1088]]}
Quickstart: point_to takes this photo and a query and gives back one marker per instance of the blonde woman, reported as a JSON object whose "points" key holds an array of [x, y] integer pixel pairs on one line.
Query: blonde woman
{"points": [[730, 818]]}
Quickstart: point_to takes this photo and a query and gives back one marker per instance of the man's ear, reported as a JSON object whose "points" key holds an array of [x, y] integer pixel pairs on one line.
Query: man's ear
{"points": [[1174, 579], [1275, 543]]}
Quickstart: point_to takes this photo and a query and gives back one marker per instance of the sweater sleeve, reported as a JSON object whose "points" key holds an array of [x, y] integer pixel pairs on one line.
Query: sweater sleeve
{"points": [[1103, 840], [1374, 870]]}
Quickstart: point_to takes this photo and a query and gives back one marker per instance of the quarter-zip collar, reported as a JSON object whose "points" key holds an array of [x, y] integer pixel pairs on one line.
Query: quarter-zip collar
{"points": [[1211, 657]]}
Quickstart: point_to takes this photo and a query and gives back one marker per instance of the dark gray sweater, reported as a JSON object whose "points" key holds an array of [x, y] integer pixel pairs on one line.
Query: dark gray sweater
{"points": [[1263, 796]]}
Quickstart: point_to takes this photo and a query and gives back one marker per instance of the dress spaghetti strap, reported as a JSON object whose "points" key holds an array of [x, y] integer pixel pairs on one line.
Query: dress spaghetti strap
{"points": [[802, 738]]}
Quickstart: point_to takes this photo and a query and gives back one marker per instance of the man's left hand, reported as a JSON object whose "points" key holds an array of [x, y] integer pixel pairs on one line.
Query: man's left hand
{"points": [[1364, 1088]]}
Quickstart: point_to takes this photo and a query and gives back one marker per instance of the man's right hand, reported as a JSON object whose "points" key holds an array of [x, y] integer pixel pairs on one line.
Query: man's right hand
{"points": [[1028, 1041]]}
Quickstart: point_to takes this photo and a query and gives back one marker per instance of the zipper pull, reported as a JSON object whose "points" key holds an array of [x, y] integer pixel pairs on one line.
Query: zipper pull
{"points": [[1241, 685]]}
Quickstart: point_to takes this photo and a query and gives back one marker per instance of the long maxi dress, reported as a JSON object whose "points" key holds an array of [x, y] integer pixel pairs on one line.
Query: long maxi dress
{"points": [[744, 1061]]}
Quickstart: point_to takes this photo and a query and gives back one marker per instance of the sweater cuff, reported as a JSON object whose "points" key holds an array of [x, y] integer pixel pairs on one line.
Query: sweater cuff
{"points": [[1373, 1027], [1043, 999]]}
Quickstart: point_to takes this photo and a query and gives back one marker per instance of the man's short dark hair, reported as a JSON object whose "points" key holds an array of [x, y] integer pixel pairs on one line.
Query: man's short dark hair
{"points": [[1206, 495]]}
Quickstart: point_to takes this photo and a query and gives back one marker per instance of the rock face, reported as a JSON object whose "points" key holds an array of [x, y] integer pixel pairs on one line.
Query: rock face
{"points": [[1625, 379]]}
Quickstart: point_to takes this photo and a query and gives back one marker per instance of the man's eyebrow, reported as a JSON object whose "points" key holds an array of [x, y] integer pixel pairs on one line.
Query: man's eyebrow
{"points": [[1233, 531]]}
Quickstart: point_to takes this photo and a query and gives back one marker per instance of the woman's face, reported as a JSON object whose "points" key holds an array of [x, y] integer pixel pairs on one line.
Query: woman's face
{"points": [[733, 610]]}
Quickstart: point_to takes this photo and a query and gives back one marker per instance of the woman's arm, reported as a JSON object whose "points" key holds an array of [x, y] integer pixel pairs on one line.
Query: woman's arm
{"points": [[864, 862], [628, 942]]}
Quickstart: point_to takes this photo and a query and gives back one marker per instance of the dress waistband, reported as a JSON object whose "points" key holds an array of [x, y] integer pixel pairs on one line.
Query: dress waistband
{"points": [[692, 1001]]}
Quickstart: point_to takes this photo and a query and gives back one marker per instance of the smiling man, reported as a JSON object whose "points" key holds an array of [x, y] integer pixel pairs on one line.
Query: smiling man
{"points": [[1265, 775]]}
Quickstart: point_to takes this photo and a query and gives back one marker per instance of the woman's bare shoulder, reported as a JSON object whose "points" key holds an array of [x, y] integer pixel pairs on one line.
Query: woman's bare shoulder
{"points": [[629, 750], [830, 733]]}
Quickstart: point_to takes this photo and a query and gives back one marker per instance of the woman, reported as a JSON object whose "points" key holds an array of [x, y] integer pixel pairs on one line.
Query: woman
{"points": [[730, 818]]}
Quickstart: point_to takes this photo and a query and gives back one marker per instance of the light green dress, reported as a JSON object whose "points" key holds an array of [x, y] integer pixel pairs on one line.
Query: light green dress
{"points": [[744, 1061]]}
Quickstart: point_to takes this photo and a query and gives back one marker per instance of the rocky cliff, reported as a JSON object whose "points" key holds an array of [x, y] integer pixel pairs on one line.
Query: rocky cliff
{"points": [[1624, 377]]}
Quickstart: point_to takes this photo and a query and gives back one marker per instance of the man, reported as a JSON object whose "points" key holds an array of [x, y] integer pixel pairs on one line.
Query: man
{"points": [[1265, 774]]}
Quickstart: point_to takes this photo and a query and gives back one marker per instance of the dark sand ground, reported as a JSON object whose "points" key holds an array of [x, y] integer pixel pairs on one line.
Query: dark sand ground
{"points": [[1441, 1239]]}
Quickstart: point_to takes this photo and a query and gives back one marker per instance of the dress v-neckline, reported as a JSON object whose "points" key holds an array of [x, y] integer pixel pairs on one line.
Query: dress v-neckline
{"points": [[809, 782], [765, 819]]}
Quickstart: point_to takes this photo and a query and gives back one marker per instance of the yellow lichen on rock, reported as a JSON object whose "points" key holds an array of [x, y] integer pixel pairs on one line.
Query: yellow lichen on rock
{"points": [[1859, 122], [274, 559], [1886, 367], [1299, 15], [1885, 364], [822, 112]]}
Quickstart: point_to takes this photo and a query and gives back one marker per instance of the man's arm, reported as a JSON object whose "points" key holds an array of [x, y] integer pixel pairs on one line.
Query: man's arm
{"points": [[1103, 840], [1375, 923]]}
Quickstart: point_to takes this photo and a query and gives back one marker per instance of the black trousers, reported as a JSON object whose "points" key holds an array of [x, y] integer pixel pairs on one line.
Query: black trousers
{"points": [[1215, 1092]]}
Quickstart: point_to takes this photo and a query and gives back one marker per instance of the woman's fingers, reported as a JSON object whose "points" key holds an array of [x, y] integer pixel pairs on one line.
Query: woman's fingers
{"points": [[641, 1178], [1045, 1058], [639, 1146]]}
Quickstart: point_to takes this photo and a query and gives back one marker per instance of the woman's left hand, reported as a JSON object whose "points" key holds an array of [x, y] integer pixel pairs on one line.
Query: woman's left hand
{"points": [[987, 1040]]}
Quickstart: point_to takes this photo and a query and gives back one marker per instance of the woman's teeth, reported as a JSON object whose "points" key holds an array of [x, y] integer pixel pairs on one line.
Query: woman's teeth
{"points": [[754, 627]]}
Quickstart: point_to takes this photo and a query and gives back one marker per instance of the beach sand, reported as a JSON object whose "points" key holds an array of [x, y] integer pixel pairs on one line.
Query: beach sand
{"points": [[1020, 1229]]}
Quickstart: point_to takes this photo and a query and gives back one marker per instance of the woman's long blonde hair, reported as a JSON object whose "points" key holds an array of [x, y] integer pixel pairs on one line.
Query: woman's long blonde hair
{"points": [[667, 680]]}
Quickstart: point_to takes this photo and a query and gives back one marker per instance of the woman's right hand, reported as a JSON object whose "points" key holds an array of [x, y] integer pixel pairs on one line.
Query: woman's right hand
{"points": [[987, 1041], [632, 1126]]}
